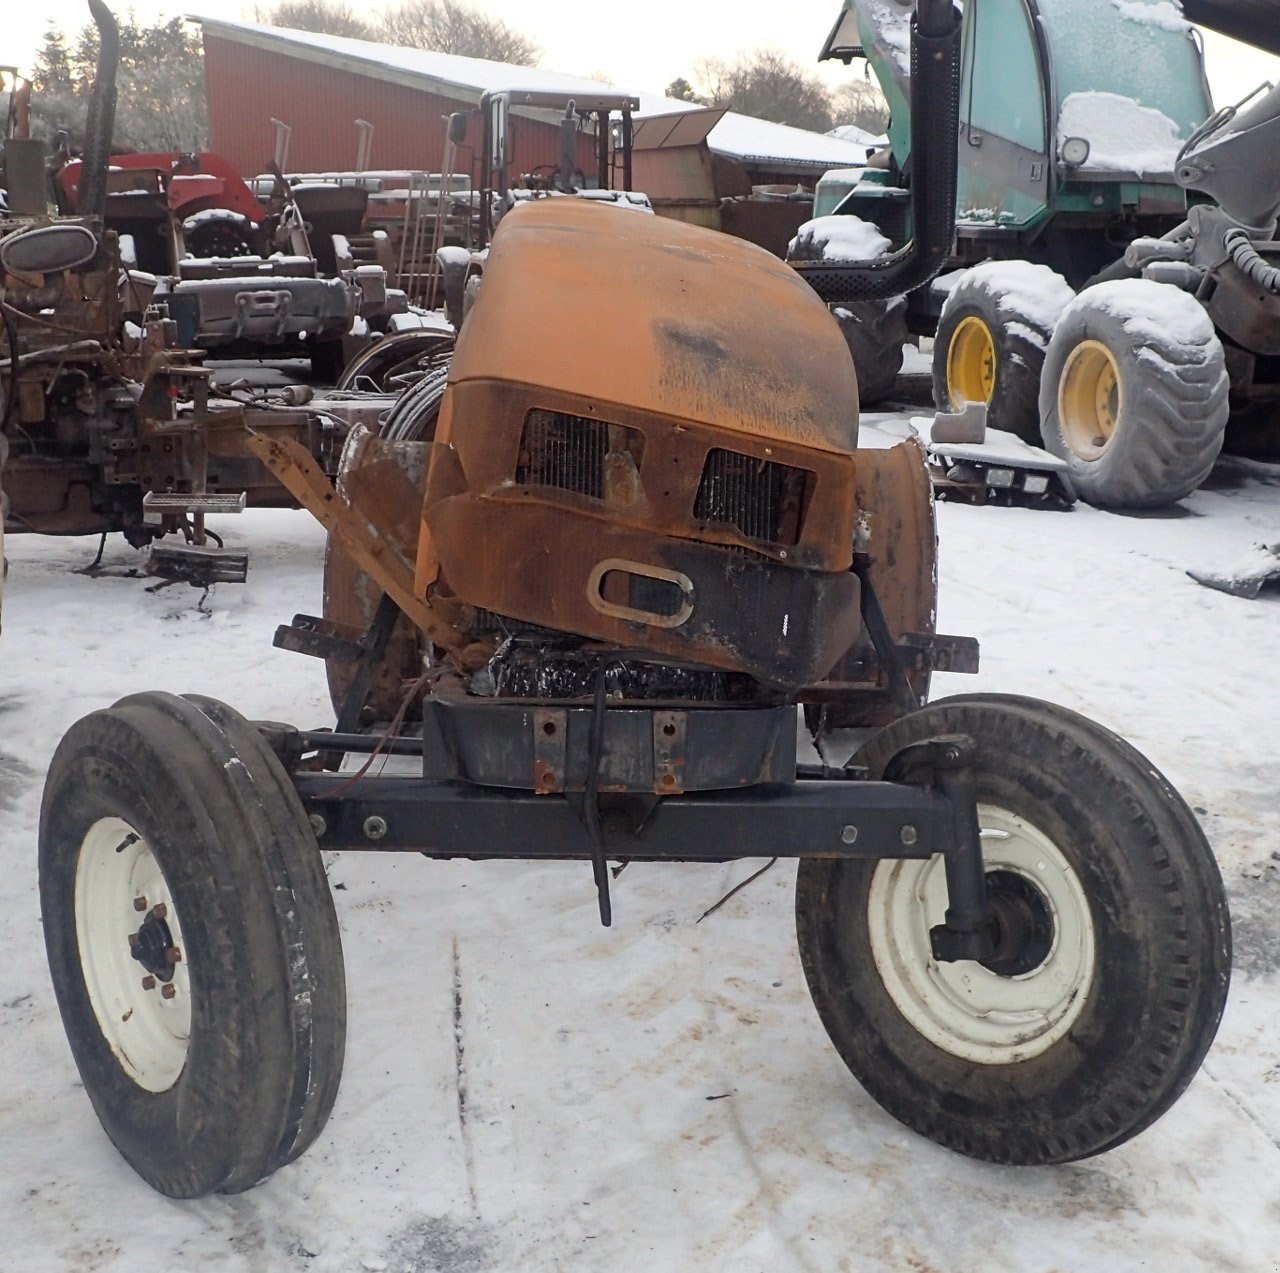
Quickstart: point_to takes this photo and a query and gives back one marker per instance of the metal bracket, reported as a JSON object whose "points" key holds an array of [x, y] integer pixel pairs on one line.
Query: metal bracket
{"points": [[668, 752], [946, 762], [550, 748], [933, 652], [320, 638]]}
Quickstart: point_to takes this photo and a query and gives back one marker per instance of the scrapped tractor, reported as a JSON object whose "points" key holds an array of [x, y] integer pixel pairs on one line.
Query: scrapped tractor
{"points": [[237, 276], [109, 415], [645, 535]]}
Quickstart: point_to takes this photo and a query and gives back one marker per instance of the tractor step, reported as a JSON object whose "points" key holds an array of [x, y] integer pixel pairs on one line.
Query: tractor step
{"points": [[156, 505], [197, 564]]}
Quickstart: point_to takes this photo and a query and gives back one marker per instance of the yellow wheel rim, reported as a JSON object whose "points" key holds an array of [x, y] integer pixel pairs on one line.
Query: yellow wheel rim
{"points": [[971, 362], [1090, 399]]}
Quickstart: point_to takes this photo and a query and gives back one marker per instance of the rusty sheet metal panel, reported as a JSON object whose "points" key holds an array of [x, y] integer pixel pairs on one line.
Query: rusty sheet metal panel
{"points": [[668, 319], [769, 223], [705, 214], [898, 535], [351, 595]]}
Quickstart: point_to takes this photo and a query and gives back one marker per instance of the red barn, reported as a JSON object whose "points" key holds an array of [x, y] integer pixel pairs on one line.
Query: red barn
{"points": [[319, 85]]}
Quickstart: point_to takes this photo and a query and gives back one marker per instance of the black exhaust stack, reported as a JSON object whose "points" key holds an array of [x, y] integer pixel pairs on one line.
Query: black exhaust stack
{"points": [[101, 117], [935, 130]]}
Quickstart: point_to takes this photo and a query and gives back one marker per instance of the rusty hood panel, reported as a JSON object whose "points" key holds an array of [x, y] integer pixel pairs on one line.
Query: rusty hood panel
{"points": [[667, 318]]}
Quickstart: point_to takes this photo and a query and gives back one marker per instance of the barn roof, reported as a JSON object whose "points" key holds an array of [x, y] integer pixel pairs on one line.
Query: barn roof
{"points": [[754, 142]]}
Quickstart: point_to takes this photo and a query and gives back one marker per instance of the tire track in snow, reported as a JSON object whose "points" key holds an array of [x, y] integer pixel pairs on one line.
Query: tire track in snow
{"points": [[460, 1081], [1225, 1088], [767, 1199]]}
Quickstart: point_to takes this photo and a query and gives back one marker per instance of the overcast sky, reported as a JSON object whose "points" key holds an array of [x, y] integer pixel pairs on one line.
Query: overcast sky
{"points": [[638, 46]]}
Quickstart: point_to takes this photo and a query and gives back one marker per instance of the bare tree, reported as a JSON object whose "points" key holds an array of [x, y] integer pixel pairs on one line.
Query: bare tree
{"points": [[328, 17], [450, 26], [862, 103], [767, 85]]}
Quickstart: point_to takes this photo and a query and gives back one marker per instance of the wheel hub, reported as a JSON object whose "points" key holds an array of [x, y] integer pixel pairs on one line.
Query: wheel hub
{"points": [[1022, 923], [135, 972], [1089, 399], [1019, 1001], [152, 945], [971, 362]]}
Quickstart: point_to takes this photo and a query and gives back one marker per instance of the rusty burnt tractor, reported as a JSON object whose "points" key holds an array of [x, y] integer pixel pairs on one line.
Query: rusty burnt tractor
{"points": [[109, 418], [645, 535]]}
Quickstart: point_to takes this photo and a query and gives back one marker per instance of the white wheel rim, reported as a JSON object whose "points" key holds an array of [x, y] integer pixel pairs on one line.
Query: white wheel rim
{"points": [[963, 1007], [118, 888]]}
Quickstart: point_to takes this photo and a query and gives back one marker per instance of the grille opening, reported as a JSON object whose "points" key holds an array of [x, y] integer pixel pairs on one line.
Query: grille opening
{"points": [[760, 498], [643, 593], [579, 454]]}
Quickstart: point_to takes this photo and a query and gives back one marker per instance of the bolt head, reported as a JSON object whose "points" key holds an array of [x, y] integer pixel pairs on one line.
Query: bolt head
{"points": [[167, 991], [160, 910], [908, 835], [375, 827], [318, 824], [849, 834], [148, 983], [173, 955], [139, 903]]}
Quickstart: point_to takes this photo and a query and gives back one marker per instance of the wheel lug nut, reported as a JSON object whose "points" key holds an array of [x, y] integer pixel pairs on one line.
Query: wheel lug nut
{"points": [[148, 983], [133, 941], [160, 910], [167, 991], [139, 903], [173, 955]]}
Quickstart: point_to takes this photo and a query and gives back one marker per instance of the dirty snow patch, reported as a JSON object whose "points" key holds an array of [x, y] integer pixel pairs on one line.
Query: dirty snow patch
{"points": [[1123, 136], [892, 24]]}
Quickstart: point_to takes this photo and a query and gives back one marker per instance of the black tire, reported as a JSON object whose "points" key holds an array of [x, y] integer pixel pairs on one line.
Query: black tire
{"points": [[1150, 951], [219, 232], [1135, 405], [991, 340], [875, 332], [207, 820]]}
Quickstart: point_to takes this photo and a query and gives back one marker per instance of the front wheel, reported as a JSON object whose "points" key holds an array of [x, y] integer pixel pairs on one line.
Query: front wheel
{"points": [[1112, 952], [192, 942]]}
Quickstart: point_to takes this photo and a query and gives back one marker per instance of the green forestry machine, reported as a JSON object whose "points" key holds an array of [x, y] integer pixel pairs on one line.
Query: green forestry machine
{"points": [[1114, 291]]}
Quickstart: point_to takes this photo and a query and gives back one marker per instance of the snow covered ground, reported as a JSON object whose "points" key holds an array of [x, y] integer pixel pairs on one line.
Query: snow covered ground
{"points": [[661, 1096]]}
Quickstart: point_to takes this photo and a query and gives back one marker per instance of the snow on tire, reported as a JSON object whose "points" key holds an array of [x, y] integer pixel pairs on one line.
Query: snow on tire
{"points": [[990, 345], [192, 943], [1134, 394], [1112, 957]]}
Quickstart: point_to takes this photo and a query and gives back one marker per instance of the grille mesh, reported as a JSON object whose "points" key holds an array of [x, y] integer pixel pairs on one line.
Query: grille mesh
{"points": [[568, 451], [762, 499]]}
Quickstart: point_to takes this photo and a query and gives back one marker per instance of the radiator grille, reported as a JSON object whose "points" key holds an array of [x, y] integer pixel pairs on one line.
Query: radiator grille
{"points": [[762, 499], [568, 452]]}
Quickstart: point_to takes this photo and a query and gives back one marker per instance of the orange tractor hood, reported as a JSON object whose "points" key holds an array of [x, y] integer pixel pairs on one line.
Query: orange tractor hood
{"points": [[616, 306]]}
